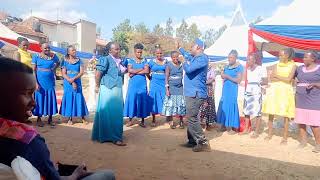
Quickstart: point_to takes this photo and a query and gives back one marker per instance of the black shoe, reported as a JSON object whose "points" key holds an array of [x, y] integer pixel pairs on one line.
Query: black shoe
{"points": [[202, 147], [189, 145]]}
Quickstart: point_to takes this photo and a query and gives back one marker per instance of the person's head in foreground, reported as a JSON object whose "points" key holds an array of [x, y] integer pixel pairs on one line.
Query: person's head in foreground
{"points": [[23, 43], [18, 139], [232, 57], [197, 47], [286, 55], [175, 57], [138, 48], [310, 58], [17, 99]]}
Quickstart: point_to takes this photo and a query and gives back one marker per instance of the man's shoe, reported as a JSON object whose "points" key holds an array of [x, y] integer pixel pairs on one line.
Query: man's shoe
{"points": [[189, 145], [202, 147]]}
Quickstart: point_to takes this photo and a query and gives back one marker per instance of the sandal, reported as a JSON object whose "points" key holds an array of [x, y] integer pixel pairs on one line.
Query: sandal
{"points": [[172, 125], [316, 148], [181, 125], [85, 122], [302, 145], [268, 138], [130, 123], [153, 124], [284, 142], [142, 125], [119, 143], [40, 124], [52, 124], [70, 122], [254, 135]]}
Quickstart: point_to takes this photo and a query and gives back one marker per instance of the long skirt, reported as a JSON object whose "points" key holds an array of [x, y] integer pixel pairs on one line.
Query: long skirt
{"points": [[207, 112], [108, 120]]}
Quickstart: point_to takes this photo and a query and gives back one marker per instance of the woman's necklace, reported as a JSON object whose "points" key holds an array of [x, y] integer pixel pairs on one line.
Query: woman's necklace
{"points": [[45, 57], [160, 62], [72, 60], [138, 61]]}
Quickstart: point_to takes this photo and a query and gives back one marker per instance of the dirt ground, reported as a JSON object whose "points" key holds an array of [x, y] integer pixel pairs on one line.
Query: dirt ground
{"points": [[155, 153]]}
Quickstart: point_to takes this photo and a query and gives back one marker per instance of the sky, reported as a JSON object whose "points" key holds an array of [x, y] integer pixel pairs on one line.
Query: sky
{"points": [[107, 14]]}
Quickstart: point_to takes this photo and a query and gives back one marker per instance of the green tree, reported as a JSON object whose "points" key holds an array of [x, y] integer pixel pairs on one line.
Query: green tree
{"points": [[220, 32], [208, 37], [158, 30], [182, 31], [141, 28], [122, 34], [169, 29], [193, 32]]}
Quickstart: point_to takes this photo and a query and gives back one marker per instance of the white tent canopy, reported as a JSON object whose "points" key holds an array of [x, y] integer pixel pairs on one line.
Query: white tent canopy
{"points": [[299, 12], [5, 32], [234, 37]]}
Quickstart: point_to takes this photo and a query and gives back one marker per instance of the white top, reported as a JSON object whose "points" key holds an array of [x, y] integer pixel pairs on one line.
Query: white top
{"points": [[254, 79]]}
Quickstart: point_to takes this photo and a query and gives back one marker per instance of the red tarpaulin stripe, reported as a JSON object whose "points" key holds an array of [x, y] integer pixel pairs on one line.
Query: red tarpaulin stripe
{"points": [[32, 46], [287, 41]]}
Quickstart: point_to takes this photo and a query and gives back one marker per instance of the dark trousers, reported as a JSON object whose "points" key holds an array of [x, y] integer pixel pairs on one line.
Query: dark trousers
{"points": [[194, 132]]}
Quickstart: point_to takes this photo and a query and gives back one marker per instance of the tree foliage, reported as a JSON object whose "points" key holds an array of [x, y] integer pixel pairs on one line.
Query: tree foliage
{"points": [[169, 28]]}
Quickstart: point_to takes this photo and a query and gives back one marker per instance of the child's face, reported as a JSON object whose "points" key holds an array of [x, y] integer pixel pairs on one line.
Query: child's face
{"points": [[17, 100], [175, 58]]}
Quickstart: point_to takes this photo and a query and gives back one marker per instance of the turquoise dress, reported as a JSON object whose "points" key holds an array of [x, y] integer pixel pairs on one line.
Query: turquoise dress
{"points": [[73, 103], [228, 112], [137, 104], [157, 86], [45, 97], [108, 120]]}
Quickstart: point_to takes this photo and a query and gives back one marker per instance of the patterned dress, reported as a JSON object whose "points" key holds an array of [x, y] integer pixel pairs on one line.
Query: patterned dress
{"points": [[307, 100], [174, 105], [207, 111], [279, 98], [253, 96]]}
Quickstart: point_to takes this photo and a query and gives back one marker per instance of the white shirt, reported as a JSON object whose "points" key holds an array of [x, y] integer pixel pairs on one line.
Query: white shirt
{"points": [[254, 79]]}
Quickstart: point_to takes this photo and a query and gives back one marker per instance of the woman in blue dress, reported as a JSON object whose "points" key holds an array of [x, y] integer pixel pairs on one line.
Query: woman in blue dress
{"points": [[157, 84], [228, 112], [44, 66], [174, 103], [136, 104], [73, 103], [108, 120]]}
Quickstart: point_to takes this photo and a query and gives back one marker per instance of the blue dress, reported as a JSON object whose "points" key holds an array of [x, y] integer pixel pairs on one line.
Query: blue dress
{"points": [[73, 103], [45, 97], [157, 86], [137, 104], [174, 105], [228, 112]]}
